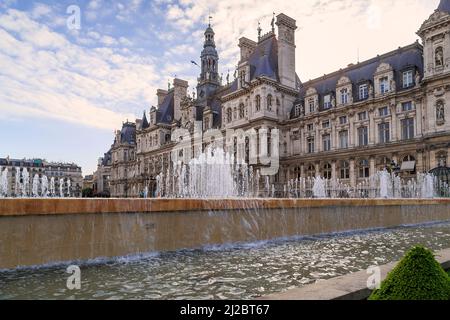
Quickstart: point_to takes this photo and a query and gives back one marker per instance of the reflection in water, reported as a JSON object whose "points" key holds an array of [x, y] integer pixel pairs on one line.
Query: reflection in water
{"points": [[238, 272]]}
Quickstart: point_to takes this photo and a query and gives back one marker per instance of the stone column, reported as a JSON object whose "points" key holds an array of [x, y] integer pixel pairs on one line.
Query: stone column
{"points": [[372, 165], [302, 171], [372, 128], [317, 164], [352, 173], [394, 131], [418, 126]]}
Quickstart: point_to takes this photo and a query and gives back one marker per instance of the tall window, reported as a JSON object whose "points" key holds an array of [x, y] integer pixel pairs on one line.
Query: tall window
{"points": [[407, 106], [298, 109], [383, 111], [363, 92], [311, 105], [326, 142], [363, 136], [364, 169], [229, 115], [311, 172], [269, 102], [343, 139], [407, 129], [258, 103], [241, 111], [408, 79], [384, 85], [384, 132], [343, 120], [311, 145], [310, 127], [327, 102], [344, 96], [327, 172], [362, 116], [326, 124], [345, 170]]}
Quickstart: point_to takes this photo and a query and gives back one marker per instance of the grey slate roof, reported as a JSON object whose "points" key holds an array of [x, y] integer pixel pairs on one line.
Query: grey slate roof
{"points": [[145, 123], [401, 59], [444, 6], [264, 59], [107, 158], [128, 133], [165, 112]]}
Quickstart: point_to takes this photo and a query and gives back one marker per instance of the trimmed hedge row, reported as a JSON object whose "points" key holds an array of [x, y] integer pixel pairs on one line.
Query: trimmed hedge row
{"points": [[418, 276]]}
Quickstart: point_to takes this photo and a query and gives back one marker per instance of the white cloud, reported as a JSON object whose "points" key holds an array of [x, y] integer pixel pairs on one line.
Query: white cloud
{"points": [[330, 31], [42, 74]]}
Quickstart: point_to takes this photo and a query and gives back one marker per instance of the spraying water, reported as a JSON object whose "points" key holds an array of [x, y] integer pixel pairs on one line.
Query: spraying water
{"points": [[35, 188]]}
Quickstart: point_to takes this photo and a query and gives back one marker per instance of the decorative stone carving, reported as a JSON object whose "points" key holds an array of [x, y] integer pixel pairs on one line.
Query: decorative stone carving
{"points": [[440, 113]]}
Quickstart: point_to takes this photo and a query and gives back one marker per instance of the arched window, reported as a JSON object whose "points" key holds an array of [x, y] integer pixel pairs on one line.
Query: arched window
{"points": [[439, 57], [269, 102], [229, 115], [311, 173], [327, 172], [258, 103], [364, 169], [345, 170], [241, 111]]}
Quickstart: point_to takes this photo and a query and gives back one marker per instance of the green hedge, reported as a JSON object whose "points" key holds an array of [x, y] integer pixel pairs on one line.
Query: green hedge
{"points": [[418, 276]]}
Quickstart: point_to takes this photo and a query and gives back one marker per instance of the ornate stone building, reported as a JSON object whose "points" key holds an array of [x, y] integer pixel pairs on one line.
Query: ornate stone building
{"points": [[390, 110], [59, 171]]}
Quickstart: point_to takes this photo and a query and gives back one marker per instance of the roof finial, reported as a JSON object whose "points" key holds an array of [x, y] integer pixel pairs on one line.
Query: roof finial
{"points": [[259, 30], [273, 23], [209, 23]]}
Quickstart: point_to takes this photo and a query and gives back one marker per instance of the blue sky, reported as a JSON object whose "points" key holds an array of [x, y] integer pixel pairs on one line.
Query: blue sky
{"points": [[63, 92]]}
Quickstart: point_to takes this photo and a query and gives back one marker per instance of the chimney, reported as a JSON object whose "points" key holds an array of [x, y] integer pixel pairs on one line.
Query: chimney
{"points": [[161, 95], [247, 47], [286, 50], [180, 92]]}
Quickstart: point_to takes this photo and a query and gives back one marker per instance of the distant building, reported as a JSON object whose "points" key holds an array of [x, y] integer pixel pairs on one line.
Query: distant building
{"points": [[392, 110], [102, 176], [64, 171]]}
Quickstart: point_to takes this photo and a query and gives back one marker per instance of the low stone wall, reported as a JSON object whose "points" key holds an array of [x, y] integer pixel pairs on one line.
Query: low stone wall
{"points": [[349, 287], [42, 231]]}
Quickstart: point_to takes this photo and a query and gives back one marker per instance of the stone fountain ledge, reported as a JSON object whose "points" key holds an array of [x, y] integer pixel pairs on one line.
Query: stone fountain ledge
{"points": [[48, 206], [349, 287], [37, 232]]}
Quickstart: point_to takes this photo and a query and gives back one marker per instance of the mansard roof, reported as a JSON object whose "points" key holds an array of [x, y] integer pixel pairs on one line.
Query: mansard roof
{"points": [[165, 112], [264, 59], [107, 158], [128, 133], [145, 123], [444, 6], [407, 57]]}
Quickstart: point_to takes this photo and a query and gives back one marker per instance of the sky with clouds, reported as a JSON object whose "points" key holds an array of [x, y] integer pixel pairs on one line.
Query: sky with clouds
{"points": [[64, 89]]}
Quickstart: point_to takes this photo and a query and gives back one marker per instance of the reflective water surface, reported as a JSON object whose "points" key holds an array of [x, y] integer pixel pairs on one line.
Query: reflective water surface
{"points": [[229, 272]]}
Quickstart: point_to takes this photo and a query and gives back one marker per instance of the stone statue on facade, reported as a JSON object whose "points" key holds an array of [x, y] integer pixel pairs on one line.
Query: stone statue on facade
{"points": [[440, 112]]}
